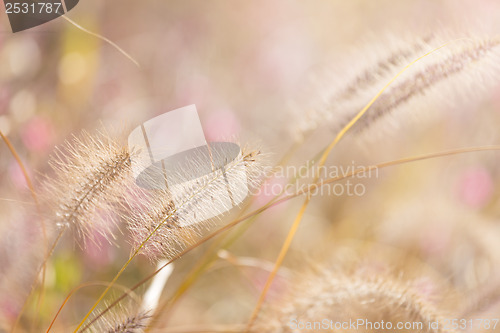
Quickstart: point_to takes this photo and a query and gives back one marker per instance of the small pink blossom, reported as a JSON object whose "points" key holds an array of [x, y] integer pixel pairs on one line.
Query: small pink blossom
{"points": [[37, 134], [475, 187]]}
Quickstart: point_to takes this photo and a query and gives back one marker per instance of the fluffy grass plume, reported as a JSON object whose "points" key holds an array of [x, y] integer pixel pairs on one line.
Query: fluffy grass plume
{"points": [[91, 174], [340, 297], [459, 71], [175, 217], [125, 319]]}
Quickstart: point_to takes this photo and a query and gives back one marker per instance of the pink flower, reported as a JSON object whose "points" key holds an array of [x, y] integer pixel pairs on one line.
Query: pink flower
{"points": [[475, 187], [37, 134]]}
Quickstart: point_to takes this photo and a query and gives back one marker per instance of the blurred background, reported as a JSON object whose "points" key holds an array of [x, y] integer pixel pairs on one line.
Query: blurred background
{"points": [[252, 68]]}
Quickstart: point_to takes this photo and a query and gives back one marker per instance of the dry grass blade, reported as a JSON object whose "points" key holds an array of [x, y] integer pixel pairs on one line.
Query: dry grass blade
{"points": [[28, 182], [273, 203], [85, 285], [42, 227], [178, 220], [321, 163], [210, 255], [175, 217], [113, 44]]}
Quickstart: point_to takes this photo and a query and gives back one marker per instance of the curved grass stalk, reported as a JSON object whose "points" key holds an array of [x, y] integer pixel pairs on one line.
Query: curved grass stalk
{"points": [[210, 255], [28, 182], [33, 286], [207, 259], [90, 284], [232, 260], [307, 190], [143, 243], [322, 161], [42, 225], [113, 44]]}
